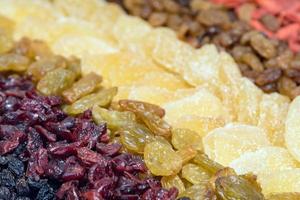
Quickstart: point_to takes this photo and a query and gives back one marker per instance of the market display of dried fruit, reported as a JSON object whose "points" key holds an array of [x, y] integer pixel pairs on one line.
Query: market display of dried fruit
{"points": [[201, 115], [272, 62]]}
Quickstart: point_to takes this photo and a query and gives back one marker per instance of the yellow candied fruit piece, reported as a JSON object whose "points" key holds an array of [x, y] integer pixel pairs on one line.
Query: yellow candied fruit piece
{"points": [[226, 144]]}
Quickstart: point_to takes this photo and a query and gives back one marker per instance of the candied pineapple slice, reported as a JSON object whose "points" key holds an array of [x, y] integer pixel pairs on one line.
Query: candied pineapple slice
{"points": [[226, 144], [292, 129], [162, 80], [164, 47], [203, 103], [18, 10], [273, 110], [280, 181], [123, 68], [154, 95], [201, 125], [129, 29], [202, 66], [264, 160], [83, 45], [78, 8], [248, 100]]}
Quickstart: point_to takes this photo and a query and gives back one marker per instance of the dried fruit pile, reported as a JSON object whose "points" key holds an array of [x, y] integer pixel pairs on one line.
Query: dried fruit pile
{"points": [[269, 63], [200, 89], [46, 154]]}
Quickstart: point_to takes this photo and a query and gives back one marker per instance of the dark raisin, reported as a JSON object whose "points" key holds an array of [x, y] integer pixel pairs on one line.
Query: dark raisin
{"points": [[7, 179], [16, 166], [22, 187], [4, 193]]}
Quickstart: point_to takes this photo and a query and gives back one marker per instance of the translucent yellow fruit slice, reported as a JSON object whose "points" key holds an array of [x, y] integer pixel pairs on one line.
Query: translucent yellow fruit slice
{"points": [[78, 8], [273, 110], [248, 100], [162, 80], [203, 103], [31, 27], [83, 45], [202, 65], [280, 181], [18, 10], [154, 95], [228, 83], [264, 160], [123, 92], [124, 68], [129, 29], [164, 47], [201, 125], [292, 129], [228, 143]]}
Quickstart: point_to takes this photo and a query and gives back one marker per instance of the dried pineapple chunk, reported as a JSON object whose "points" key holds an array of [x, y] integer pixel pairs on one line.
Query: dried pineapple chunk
{"points": [[203, 103], [226, 144], [164, 47], [248, 100], [83, 45], [129, 29], [280, 181], [264, 160], [273, 110], [162, 80], [202, 66], [292, 129], [201, 125], [123, 68], [18, 10], [154, 95]]}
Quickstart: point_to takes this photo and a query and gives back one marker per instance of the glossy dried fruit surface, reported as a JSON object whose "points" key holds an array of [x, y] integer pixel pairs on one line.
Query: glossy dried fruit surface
{"points": [[183, 138], [173, 181], [233, 187], [292, 128], [161, 159], [223, 145], [135, 136], [102, 98], [115, 120], [56, 81], [195, 174], [82, 87]]}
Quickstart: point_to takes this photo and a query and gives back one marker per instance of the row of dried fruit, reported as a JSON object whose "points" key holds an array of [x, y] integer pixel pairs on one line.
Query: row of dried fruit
{"points": [[69, 157], [269, 63], [151, 64]]}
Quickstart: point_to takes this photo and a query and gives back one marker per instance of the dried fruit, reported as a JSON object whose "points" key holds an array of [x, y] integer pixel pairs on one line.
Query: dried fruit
{"points": [[161, 159], [135, 136], [115, 120], [264, 160], [223, 145], [82, 87], [292, 128], [195, 192], [233, 187], [56, 81], [102, 98], [183, 138], [173, 181], [195, 174]]}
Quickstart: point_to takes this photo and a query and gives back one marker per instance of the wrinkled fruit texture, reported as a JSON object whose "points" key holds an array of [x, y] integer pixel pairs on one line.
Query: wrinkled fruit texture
{"points": [[44, 153], [199, 89]]}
